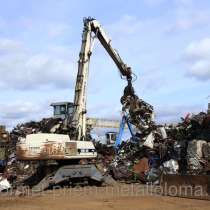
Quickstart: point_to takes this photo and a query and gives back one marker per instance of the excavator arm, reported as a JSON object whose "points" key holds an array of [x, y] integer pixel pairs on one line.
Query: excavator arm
{"points": [[139, 111], [91, 26], [106, 43]]}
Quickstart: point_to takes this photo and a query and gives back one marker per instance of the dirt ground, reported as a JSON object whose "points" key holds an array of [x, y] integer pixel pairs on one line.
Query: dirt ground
{"points": [[122, 197]]}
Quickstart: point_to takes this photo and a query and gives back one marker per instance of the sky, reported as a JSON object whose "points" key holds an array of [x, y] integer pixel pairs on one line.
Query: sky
{"points": [[166, 43]]}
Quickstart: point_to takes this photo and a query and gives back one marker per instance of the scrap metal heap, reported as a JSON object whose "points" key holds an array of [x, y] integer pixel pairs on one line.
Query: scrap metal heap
{"points": [[181, 149], [152, 151], [46, 125], [192, 136], [175, 149], [140, 113], [155, 150]]}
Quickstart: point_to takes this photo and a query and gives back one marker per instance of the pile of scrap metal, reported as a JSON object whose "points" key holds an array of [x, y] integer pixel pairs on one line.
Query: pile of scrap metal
{"points": [[192, 143], [192, 137], [139, 159], [180, 149], [140, 113], [46, 125], [106, 154], [155, 149]]}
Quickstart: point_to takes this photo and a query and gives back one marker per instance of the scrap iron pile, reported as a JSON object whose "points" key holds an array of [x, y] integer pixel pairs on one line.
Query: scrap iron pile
{"points": [[155, 149], [175, 149], [46, 125]]}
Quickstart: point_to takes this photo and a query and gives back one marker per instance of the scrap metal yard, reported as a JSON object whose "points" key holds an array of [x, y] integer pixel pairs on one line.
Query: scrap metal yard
{"points": [[145, 146], [179, 158]]}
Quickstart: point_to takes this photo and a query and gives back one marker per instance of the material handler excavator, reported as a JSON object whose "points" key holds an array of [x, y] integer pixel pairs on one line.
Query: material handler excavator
{"points": [[68, 157]]}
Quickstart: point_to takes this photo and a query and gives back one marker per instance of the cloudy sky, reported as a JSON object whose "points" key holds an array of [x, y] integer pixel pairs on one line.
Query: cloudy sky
{"points": [[166, 42]]}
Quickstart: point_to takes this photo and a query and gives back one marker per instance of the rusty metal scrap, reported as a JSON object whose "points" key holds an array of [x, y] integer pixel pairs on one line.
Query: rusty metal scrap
{"points": [[140, 112], [168, 144], [173, 149]]}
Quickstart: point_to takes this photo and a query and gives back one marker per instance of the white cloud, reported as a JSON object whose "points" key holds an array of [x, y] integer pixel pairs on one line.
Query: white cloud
{"points": [[18, 110], [9, 46], [199, 49], [21, 111], [197, 56], [200, 69], [23, 69]]}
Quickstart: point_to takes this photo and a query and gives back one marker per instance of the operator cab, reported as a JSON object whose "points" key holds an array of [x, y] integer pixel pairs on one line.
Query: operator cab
{"points": [[62, 109]]}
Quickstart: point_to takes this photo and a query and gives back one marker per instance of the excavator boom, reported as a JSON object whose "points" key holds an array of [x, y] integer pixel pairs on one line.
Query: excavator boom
{"points": [[91, 26], [106, 43]]}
